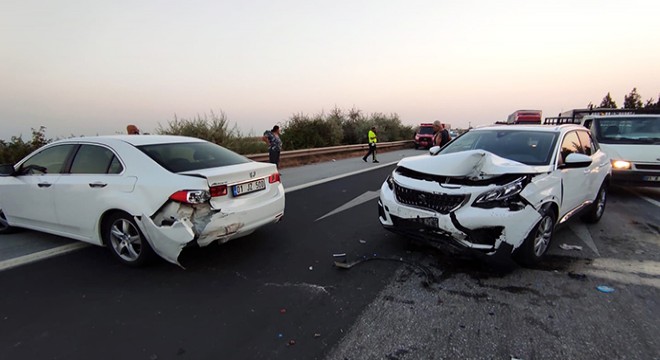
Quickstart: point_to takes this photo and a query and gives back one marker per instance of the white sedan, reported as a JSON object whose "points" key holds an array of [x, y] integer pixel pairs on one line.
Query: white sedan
{"points": [[140, 194]]}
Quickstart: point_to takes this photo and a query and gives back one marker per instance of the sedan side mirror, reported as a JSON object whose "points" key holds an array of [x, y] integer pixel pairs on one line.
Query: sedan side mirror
{"points": [[7, 170], [434, 150], [576, 160]]}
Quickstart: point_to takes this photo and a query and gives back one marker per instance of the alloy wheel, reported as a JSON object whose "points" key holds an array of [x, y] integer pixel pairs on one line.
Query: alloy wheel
{"points": [[543, 236], [126, 240]]}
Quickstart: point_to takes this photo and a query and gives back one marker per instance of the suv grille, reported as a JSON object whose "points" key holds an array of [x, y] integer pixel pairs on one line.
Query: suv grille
{"points": [[442, 203], [647, 167]]}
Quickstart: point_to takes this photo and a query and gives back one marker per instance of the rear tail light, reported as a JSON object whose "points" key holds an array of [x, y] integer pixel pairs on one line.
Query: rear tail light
{"points": [[220, 190], [274, 178], [191, 196]]}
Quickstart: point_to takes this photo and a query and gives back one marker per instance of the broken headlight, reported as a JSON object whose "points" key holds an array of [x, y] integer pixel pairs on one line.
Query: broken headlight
{"points": [[390, 182], [502, 196]]}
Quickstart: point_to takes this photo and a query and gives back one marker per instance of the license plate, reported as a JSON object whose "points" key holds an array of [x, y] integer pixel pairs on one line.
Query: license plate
{"points": [[428, 221], [248, 187], [651, 178]]}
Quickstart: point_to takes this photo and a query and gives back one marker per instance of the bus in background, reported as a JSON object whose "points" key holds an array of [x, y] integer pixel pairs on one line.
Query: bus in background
{"points": [[525, 117]]}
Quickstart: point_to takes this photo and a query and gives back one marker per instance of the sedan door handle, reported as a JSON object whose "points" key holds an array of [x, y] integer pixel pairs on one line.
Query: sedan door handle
{"points": [[603, 164], [98, 185], [44, 185]]}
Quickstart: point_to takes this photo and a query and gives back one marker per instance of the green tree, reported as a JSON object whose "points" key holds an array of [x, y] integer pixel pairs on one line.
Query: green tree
{"points": [[16, 149], [607, 102], [651, 104], [632, 100]]}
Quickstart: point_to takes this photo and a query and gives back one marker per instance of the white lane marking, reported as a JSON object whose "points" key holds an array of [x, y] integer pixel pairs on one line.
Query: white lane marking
{"points": [[646, 272], [654, 202], [336, 177], [41, 255], [369, 195], [583, 234]]}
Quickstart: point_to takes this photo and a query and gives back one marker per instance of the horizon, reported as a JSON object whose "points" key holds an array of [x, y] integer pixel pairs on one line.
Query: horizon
{"points": [[87, 68]]}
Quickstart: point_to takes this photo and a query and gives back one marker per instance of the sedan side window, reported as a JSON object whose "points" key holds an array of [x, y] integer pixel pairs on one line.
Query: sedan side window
{"points": [[48, 161], [92, 159], [570, 145]]}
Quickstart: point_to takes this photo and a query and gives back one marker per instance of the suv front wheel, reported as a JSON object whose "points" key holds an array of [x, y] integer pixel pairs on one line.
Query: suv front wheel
{"points": [[596, 210], [538, 240]]}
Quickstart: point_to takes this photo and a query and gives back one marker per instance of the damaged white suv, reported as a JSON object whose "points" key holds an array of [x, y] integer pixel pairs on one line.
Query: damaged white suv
{"points": [[499, 190], [139, 194]]}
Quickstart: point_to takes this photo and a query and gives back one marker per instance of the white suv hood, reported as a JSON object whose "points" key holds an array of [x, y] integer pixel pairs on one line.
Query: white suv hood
{"points": [[644, 153], [473, 164]]}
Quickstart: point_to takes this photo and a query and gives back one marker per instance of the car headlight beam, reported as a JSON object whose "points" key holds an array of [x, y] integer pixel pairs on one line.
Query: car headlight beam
{"points": [[621, 165]]}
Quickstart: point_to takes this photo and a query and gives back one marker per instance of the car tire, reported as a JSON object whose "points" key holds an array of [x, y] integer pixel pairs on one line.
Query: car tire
{"points": [[595, 211], [125, 240], [538, 240], [5, 228]]}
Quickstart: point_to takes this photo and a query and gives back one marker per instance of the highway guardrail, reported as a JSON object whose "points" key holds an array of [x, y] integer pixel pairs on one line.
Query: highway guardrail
{"points": [[306, 156]]}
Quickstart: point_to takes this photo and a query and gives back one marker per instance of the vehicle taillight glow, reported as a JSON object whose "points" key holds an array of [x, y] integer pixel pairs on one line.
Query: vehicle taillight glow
{"points": [[191, 196], [273, 178], [220, 190]]}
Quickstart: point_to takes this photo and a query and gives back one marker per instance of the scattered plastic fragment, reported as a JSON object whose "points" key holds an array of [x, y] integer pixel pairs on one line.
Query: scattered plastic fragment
{"points": [[280, 335], [292, 342], [571, 247], [311, 268], [577, 276], [363, 241], [317, 335], [282, 311], [605, 289], [339, 255]]}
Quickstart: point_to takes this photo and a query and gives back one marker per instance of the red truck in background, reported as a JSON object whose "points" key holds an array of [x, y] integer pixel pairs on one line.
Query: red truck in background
{"points": [[525, 117], [424, 136]]}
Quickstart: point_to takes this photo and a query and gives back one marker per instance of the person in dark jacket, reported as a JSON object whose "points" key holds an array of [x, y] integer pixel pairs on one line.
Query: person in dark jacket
{"points": [[272, 138]]}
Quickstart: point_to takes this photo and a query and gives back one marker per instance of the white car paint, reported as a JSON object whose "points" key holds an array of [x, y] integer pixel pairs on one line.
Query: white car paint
{"points": [[568, 189], [73, 205]]}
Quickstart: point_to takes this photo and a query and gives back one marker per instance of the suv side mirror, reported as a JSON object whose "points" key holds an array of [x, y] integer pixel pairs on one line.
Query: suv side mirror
{"points": [[434, 150], [576, 160], [7, 170]]}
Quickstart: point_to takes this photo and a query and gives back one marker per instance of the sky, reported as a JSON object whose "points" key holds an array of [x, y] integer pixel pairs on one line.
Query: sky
{"points": [[87, 67]]}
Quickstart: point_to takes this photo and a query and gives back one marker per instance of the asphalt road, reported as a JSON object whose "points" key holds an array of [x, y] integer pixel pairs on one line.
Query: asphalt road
{"points": [[276, 294]]}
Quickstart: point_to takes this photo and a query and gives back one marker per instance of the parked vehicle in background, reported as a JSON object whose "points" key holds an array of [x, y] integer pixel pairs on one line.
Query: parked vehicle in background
{"points": [[499, 190], [633, 144], [630, 137], [525, 117], [140, 194], [424, 136]]}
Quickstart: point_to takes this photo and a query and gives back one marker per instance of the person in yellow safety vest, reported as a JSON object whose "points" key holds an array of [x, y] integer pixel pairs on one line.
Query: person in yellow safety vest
{"points": [[372, 145]]}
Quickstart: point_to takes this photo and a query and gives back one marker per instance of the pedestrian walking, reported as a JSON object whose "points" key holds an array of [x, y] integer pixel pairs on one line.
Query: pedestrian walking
{"points": [[372, 145], [272, 138]]}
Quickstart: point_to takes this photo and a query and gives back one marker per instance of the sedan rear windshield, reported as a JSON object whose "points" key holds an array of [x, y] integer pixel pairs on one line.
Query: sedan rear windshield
{"points": [[178, 157], [527, 147]]}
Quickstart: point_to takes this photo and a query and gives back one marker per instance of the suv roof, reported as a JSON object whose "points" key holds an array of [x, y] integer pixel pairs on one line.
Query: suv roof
{"points": [[518, 127]]}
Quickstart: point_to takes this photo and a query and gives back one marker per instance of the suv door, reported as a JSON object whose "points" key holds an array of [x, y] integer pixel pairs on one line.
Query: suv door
{"points": [[573, 188], [595, 173]]}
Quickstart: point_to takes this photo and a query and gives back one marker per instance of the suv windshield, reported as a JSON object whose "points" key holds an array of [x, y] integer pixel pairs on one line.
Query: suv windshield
{"points": [[527, 147], [178, 157], [628, 130]]}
